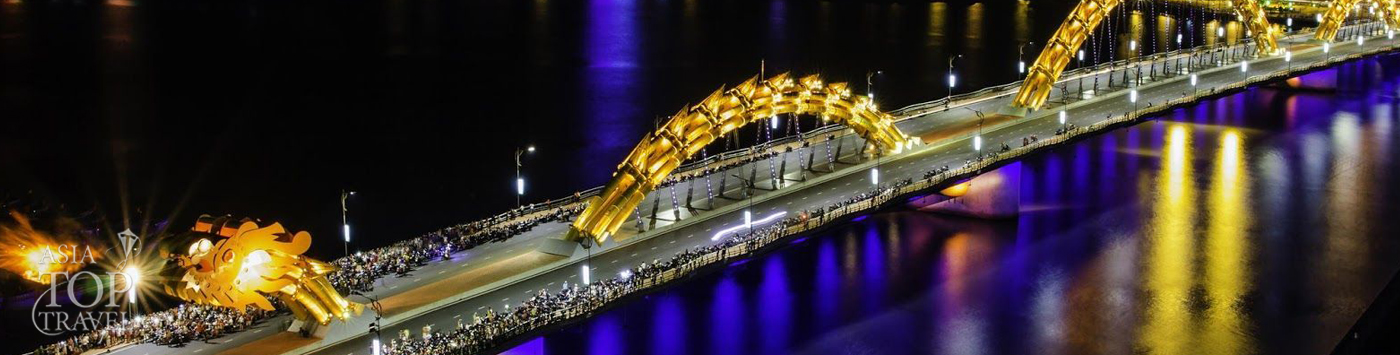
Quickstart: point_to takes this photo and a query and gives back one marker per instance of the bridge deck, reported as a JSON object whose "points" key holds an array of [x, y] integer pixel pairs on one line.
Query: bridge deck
{"points": [[413, 297]]}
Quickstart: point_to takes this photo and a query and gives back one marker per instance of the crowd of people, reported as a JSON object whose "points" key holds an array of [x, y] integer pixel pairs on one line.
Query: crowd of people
{"points": [[544, 308], [485, 332], [359, 271], [180, 325]]}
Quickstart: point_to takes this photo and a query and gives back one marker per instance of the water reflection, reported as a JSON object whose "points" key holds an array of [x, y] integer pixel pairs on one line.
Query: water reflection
{"points": [[1193, 234]]}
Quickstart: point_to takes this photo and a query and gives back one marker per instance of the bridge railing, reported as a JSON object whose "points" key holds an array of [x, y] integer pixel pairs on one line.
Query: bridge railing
{"points": [[917, 109]]}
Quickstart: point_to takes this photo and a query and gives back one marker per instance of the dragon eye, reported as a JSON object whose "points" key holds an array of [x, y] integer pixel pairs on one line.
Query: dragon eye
{"points": [[257, 257], [200, 247], [228, 256]]}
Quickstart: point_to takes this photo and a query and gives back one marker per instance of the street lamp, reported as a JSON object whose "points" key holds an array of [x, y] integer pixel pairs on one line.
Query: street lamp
{"points": [[952, 81], [1020, 62], [345, 219], [869, 87], [748, 220], [1193, 84], [1062, 117], [519, 181], [1132, 96], [977, 140], [1288, 59], [1080, 64]]}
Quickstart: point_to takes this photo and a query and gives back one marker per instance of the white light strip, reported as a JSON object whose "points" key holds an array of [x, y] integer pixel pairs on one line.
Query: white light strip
{"points": [[770, 218]]}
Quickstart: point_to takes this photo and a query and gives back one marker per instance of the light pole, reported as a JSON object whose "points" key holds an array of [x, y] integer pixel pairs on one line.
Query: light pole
{"points": [[952, 81], [1288, 59], [748, 216], [345, 219], [1021, 62], [1132, 96], [520, 182], [1193, 84], [1063, 121], [977, 140], [869, 84], [1079, 64]]}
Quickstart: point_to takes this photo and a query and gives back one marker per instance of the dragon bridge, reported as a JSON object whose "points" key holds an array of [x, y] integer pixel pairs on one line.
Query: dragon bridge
{"points": [[722, 113], [1085, 18]]}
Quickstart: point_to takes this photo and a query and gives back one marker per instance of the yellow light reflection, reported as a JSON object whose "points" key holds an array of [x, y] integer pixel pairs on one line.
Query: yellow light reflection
{"points": [[974, 26], [1170, 248], [938, 23], [1226, 252]]}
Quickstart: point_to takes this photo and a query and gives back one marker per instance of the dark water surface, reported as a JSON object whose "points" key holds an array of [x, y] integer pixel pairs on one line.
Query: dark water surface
{"points": [[173, 108], [1261, 222]]}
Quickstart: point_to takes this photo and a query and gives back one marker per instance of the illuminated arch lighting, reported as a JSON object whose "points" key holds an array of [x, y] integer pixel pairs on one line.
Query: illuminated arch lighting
{"points": [[1332, 19], [1085, 18], [723, 112]]}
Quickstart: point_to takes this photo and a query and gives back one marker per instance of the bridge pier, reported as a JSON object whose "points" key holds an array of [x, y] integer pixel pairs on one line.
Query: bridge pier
{"points": [[655, 205], [675, 206], [709, 192], [690, 195], [782, 169], [723, 180]]}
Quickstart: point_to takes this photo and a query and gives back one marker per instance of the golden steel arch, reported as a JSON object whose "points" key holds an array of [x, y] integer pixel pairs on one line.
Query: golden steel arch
{"points": [[1085, 18], [1332, 19], [723, 112], [1390, 13]]}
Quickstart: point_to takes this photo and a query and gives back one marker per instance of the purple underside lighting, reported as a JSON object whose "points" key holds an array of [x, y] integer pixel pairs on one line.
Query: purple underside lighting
{"points": [[861, 218]]}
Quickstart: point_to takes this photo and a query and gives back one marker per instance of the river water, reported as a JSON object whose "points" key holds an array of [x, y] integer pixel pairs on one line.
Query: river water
{"points": [[159, 110], [1259, 222], [1253, 223]]}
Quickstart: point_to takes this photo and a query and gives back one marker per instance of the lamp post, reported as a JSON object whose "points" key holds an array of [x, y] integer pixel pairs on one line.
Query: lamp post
{"points": [[1193, 84], [1288, 59], [345, 219], [1133, 96], [1021, 62], [1080, 65], [869, 84], [520, 182], [952, 81], [977, 140], [748, 216], [1063, 120]]}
